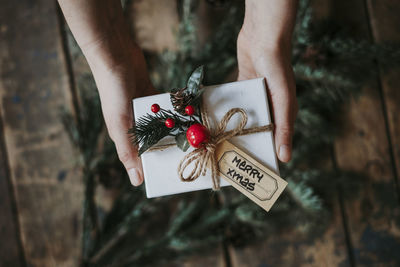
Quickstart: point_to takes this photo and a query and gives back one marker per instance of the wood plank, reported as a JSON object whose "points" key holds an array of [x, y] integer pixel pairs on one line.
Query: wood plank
{"points": [[34, 88], [385, 29], [11, 253], [291, 247], [155, 24], [374, 218], [215, 259]]}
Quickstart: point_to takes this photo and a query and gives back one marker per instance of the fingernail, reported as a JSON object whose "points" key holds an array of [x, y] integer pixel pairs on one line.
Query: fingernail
{"points": [[134, 176], [284, 153]]}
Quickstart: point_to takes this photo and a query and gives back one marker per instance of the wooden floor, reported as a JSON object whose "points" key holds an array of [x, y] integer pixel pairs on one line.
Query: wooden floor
{"points": [[41, 189]]}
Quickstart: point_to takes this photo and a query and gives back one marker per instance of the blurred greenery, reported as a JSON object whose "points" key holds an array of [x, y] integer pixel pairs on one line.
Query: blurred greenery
{"points": [[330, 68]]}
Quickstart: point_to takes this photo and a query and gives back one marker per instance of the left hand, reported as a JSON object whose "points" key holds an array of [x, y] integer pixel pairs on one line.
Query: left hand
{"points": [[267, 53]]}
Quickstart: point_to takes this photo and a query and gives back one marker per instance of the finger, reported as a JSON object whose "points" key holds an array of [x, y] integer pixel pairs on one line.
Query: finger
{"points": [[281, 86], [282, 106], [127, 153]]}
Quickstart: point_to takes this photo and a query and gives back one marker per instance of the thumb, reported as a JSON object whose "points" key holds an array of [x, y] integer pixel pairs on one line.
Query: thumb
{"points": [[127, 153], [283, 134], [282, 112], [284, 108]]}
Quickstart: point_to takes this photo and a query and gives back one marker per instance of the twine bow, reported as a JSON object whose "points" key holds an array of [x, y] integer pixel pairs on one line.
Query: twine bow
{"points": [[201, 156]]}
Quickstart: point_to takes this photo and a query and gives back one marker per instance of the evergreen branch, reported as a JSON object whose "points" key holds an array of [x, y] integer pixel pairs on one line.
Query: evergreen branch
{"points": [[323, 76], [150, 128], [362, 51], [304, 196]]}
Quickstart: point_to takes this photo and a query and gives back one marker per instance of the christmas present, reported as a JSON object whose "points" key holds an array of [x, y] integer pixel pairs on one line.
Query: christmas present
{"points": [[192, 137]]}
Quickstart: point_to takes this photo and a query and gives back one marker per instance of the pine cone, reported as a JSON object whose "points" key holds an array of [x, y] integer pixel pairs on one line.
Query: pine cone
{"points": [[180, 100]]}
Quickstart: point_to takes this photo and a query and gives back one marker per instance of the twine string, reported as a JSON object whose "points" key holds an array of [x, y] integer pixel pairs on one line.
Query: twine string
{"points": [[206, 154], [202, 156]]}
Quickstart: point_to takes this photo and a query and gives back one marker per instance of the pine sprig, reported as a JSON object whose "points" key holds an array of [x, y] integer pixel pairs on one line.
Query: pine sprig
{"points": [[150, 128]]}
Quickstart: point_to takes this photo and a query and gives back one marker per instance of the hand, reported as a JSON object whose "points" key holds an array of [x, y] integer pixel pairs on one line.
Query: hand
{"points": [[119, 80], [264, 50], [118, 67]]}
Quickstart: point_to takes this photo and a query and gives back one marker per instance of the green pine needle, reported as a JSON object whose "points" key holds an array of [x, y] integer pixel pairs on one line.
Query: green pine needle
{"points": [[150, 128]]}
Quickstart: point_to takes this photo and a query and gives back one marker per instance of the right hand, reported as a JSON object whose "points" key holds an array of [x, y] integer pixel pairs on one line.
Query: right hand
{"points": [[118, 67], [120, 78]]}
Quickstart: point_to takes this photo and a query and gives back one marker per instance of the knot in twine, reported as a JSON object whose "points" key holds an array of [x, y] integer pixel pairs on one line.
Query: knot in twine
{"points": [[201, 156]]}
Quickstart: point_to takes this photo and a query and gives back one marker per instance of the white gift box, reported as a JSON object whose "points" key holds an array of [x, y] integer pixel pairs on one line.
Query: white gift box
{"points": [[160, 166]]}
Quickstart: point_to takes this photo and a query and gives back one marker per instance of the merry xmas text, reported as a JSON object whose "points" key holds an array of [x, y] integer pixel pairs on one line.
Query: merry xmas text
{"points": [[249, 169]]}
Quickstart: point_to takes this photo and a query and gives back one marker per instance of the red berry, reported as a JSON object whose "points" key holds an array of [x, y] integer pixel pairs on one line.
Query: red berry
{"points": [[170, 123], [189, 110], [155, 108], [197, 135]]}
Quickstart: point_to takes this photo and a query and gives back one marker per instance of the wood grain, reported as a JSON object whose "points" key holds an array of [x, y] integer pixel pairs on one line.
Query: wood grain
{"points": [[34, 89], [385, 23], [364, 147], [291, 247], [155, 24], [209, 259], [11, 253]]}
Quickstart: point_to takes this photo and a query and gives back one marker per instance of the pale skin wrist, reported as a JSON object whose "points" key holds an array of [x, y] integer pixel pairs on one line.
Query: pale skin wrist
{"points": [[101, 32], [269, 24], [113, 59], [116, 57], [111, 52]]}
